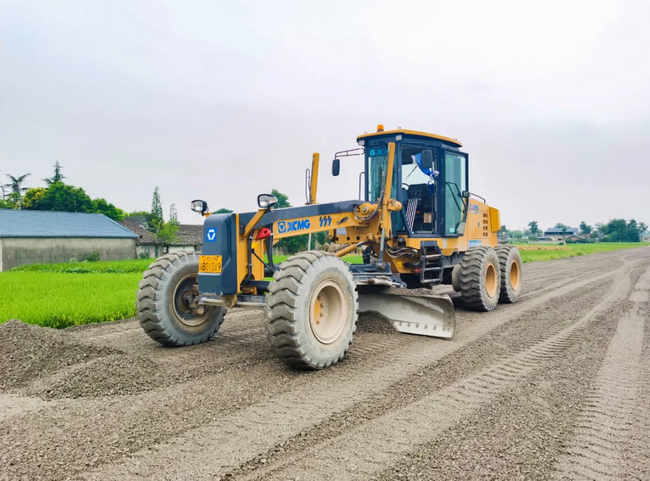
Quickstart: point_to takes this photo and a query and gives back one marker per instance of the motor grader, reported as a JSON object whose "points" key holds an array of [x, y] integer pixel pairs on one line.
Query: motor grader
{"points": [[416, 222]]}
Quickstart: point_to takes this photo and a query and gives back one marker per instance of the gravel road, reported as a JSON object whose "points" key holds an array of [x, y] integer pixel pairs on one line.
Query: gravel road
{"points": [[556, 386]]}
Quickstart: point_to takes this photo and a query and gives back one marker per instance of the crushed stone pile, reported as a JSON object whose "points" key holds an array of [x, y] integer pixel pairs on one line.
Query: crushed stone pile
{"points": [[372, 323], [116, 374], [29, 352]]}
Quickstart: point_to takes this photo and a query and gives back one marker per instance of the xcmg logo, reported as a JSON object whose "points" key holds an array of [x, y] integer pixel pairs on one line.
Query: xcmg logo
{"points": [[293, 226]]}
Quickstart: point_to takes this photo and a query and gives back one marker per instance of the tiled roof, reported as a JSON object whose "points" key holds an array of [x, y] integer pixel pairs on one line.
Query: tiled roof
{"points": [[36, 223], [189, 235], [145, 237], [559, 231]]}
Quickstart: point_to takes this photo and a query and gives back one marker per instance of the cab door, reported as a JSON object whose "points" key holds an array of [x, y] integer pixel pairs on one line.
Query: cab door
{"points": [[455, 165]]}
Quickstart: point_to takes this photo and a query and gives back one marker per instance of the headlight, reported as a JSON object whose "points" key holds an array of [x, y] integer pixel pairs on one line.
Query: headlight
{"points": [[200, 206], [266, 201]]}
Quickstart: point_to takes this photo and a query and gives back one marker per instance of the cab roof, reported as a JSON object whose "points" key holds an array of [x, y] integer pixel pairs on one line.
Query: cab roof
{"points": [[413, 133]]}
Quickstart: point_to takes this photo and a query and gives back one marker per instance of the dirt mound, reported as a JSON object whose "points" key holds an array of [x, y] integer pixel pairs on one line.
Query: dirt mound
{"points": [[369, 322], [28, 352], [117, 374]]}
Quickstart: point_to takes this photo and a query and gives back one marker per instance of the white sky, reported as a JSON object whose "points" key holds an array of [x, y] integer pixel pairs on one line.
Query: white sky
{"points": [[225, 100]]}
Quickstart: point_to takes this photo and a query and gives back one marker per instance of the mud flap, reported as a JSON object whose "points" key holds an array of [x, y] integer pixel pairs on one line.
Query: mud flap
{"points": [[410, 313]]}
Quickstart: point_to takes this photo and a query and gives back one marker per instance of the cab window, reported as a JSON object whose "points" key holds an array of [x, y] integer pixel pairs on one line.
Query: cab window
{"points": [[455, 184], [417, 193]]}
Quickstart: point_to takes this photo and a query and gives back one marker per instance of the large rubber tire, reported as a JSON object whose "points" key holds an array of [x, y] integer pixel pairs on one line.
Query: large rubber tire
{"points": [[162, 314], [311, 310], [510, 263], [480, 279]]}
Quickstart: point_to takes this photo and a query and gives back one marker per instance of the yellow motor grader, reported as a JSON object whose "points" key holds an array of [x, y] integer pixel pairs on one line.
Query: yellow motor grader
{"points": [[417, 224]]}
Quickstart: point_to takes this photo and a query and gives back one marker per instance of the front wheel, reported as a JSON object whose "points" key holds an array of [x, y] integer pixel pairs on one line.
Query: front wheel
{"points": [[311, 311], [165, 302]]}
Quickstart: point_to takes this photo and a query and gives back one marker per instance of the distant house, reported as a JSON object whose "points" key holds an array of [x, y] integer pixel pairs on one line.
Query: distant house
{"points": [[35, 237], [146, 243], [557, 233], [189, 238]]}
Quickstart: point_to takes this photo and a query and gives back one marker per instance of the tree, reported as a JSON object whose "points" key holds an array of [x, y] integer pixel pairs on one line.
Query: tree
{"points": [[164, 232], [156, 220], [632, 230], [57, 177], [534, 228], [222, 211], [16, 188], [562, 226], [504, 229], [101, 206], [584, 228], [33, 198], [173, 214], [139, 213], [615, 231], [65, 198]]}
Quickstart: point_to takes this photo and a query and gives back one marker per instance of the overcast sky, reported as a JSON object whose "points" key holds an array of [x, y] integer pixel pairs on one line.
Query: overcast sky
{"points": [[224, 100]]}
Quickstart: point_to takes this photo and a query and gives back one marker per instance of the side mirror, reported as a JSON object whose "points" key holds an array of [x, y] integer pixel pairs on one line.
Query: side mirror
{"points": [[427, 159], [266, 201], [200, 206], [336, 167]]}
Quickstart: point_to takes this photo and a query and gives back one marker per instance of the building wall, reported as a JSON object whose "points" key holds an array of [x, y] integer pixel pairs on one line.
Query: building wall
{"points": [[184, 249], [18, 251], [144, 251]]}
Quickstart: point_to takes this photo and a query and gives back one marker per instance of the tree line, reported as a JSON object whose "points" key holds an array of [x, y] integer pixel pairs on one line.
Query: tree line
{"points": [[62, 197], [616, 230], [56, 196]]}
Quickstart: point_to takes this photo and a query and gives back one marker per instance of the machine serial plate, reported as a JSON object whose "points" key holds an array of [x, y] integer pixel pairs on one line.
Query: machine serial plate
{"points": [[210, 264]]}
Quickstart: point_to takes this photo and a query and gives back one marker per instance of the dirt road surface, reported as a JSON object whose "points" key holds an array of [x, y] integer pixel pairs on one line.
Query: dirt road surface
{"points": [[555, 386]]}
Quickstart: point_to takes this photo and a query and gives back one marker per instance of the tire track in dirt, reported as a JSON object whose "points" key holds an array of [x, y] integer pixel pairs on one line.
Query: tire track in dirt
{"points": [[523, 432], [367, 450], [600, 448], [298, 410], [503, 341]]}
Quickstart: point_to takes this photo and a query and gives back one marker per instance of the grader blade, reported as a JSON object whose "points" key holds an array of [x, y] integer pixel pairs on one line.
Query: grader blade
{"points": [[411, 313]]}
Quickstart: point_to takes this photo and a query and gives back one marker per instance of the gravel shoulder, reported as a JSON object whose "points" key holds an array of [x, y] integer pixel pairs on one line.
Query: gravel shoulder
{"points": [[555, 386]]}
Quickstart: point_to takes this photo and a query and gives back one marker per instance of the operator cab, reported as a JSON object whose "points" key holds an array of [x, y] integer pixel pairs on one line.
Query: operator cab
{"points": [[430, 179]]}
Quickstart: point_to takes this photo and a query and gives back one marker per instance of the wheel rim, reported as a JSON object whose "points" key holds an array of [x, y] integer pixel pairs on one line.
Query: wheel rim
{"points": [[515, 277], [491, 280], [328, 312], [184, 313]]}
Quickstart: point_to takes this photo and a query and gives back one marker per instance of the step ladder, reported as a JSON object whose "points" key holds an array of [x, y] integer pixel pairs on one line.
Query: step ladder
{"points": [[431, 263]]}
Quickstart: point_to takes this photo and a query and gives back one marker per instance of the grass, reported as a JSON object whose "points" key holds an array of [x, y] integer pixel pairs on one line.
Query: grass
{"points": [[85, 267], [55, 299], [572, 250], [63, 295]]}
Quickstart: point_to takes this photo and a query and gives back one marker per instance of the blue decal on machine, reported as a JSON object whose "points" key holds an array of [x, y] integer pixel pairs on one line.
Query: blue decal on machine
{"points": [[378, 152], [473, 209], [475, 243], [296, 225], [211, 234]]}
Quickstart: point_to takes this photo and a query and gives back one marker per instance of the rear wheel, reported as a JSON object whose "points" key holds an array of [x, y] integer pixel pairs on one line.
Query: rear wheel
{"points": [[166, 304], [510, 263], [479, 279], [311, 310]]}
